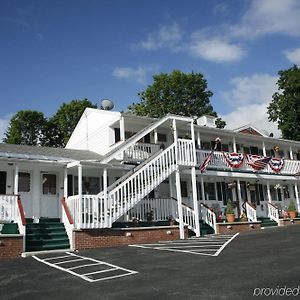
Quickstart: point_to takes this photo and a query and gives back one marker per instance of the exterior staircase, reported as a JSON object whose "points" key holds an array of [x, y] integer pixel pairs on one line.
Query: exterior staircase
{"points": [[48, 234], [266, 222]]}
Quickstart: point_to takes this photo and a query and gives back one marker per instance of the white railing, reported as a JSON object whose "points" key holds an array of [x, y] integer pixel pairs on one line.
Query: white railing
{"points": [[87, 213], [186, 152], [68, 222], [140, 151], [251, 213], [208, 216], [160, 208], [273, 212], [141, 183], [189, 217], [8, 208], [218, 162]]}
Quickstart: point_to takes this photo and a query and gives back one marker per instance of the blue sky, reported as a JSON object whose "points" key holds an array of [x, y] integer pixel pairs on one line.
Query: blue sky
{"points": [[59, 50]]}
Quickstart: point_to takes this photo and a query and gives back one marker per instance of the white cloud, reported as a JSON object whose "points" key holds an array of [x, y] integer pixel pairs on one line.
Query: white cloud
{"points": [[216, 50], [255, 89], [167, 36], [249, 99], [3, 125], [269, 17], [138, 74], [293, 56]]}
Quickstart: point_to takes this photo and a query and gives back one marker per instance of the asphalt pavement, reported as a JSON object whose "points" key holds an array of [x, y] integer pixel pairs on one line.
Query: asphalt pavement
{"points": [[263, 265]]}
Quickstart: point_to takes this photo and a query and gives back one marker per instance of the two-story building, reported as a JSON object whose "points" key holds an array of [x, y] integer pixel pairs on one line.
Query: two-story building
{"points": [[118, 167]]}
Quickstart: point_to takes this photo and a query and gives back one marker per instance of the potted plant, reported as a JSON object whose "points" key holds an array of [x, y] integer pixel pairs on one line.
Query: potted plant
{"points": [[229, 211], [292, 210]]}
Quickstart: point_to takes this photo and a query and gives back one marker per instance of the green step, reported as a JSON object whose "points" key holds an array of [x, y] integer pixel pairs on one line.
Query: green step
{"points": [[10, 228], [47, 247], [49, 220]]}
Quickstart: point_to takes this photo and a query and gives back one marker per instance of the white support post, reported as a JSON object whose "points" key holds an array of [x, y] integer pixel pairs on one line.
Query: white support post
{"points": [[264, 149], [234, 144], [80, 194], [202, 189], [105, 197], [291, 153], [155, 136], [122, 129], [238, 186], [269, 192], [198, 140], [16, 180], [65, 183], [194, 147], [297, 197], [179, 203], [195, 201], [171, 184]]}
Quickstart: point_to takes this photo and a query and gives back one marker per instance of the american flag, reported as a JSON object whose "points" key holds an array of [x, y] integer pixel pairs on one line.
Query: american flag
{"points": [[257, 162], [206, 162], [297, 174]]}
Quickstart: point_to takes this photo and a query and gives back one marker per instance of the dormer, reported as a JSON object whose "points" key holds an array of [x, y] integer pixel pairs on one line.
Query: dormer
{"points": [[250, 129]]}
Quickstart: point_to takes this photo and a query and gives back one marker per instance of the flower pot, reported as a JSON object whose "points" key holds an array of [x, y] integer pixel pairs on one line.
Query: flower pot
{"points": [[292, 214], [230, 218]]}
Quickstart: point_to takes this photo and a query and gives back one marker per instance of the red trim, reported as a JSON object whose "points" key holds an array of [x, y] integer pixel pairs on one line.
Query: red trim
{"points": [[207, 207], [182, 203], [21, 210], [251, 205], [67, 211], [272, 205]]}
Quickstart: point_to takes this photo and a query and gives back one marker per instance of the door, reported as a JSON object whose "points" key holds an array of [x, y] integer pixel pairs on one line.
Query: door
{"points": [[2, 183], [49, 195], [25, 192]]}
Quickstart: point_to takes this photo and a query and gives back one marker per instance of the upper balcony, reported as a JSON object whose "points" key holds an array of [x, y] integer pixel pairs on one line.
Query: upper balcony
{"points": [[218, 162]]}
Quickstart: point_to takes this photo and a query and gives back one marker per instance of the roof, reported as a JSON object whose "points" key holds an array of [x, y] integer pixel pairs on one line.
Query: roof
{"points": [[46, 153], [250, 129]]}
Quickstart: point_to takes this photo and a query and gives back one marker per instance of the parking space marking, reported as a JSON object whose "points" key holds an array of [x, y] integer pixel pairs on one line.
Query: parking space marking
{"points": [[88, 275], [210, 246]]}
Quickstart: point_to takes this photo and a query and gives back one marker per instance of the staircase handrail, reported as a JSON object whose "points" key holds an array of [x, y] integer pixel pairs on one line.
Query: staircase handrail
{"points": [[132, 171], [251, 212], [273, 212], [66, 210], [154, 164], [208, 216], [136, 137], [189, 217], [68, 221]]}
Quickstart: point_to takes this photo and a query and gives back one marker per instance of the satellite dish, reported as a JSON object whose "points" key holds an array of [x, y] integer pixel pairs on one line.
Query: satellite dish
{"points": [[107, 104]]}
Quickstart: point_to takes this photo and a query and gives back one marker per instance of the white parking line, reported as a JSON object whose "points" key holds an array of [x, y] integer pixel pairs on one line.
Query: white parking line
{"points": [[209, 246], [89, 275]]}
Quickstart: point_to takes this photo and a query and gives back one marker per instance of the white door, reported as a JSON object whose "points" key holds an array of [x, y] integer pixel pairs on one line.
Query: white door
{"points": [[49, 195], [25, 190]]}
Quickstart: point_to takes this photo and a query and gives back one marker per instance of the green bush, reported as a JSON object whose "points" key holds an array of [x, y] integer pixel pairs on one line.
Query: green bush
{"points": [[229, 207], [292, 206]]}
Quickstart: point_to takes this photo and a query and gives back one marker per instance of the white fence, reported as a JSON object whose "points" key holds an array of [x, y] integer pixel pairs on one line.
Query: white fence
{"points": [[186, 152], [273, 212], [208, 216], [140, 151], [8, 208]]}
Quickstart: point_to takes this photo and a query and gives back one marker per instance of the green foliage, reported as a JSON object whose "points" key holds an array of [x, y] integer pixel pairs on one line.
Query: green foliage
{"points": [[229, 207], [285, 106], [291, 206], [67, 117], [26, 127], [175, 93], [32, 128]]}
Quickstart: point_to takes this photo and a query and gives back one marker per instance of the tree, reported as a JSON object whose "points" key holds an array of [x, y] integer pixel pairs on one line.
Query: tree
{"points": [[26, 127], [285, 106], [67, 117], [176, 93]]}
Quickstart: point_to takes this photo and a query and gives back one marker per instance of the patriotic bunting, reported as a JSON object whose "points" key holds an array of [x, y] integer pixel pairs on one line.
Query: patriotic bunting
{"points": [[297, 174], [258, 162], [276, 164], [234, 160]]}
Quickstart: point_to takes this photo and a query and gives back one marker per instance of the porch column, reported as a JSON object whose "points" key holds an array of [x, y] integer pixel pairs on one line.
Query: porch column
{"points": [[291, 153], [269, 192], [16, 180], [105, 197], [65, 182], [195, 201], [155, 136], [238, 186], [198, 140], [264, 149], [179, 203], [234, 144], [297, 197], [202, 189], [79, 169], [122, 129]]}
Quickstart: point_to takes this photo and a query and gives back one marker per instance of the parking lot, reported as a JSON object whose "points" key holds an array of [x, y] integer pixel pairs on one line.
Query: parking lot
{"points": [[247, 264]]}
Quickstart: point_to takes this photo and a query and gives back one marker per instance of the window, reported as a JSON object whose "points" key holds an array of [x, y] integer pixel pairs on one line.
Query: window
{"points": [[221, 190], [183, 186], [209, 188], [49, 184], [117, 134], [90, 185], [161, 137], [24, 182]]}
